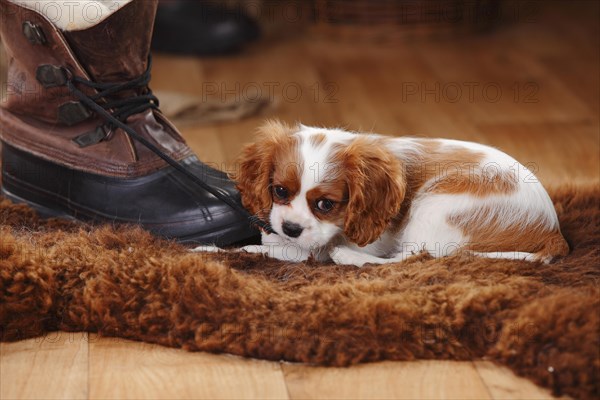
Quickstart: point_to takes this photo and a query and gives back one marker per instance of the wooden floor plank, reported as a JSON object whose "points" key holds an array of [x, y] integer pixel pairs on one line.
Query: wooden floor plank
{"points": [[387, 380], [123, 369], [502, 383], [51, 367]]}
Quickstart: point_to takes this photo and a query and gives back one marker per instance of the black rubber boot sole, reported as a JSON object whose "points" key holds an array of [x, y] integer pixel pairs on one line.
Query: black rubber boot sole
{"points": [[164, 202]]}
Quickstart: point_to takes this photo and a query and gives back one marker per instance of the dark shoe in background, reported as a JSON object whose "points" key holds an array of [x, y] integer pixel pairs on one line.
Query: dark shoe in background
{"points": [[196, 27]]}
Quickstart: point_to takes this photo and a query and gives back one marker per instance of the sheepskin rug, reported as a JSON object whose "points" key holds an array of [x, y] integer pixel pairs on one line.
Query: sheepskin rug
{"points": [[540, 320]]}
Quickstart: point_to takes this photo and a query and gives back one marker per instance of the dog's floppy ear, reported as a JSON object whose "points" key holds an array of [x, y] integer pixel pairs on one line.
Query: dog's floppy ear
{"points": [[255, 167], [376, 189]]}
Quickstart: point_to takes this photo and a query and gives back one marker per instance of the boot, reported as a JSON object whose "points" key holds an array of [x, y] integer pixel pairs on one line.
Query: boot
{"points": [[82, 135]]}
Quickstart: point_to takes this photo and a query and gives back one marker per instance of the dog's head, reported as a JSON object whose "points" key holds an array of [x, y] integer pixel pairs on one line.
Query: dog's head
{"points": [[312, 184]]}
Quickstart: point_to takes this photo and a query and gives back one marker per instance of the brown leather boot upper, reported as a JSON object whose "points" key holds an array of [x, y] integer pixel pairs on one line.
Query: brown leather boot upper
{"points": [[45, 120]]}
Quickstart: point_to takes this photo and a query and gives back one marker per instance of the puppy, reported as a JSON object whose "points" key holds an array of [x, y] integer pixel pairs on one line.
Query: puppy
{"points": [[370, 199]]}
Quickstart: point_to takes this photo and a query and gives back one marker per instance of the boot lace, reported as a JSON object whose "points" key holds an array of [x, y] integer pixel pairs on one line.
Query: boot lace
{"points": [[116, 111], [123, 108]]}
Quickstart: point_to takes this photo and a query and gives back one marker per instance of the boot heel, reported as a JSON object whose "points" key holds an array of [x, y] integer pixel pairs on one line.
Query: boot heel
{"points": [[43, 212]]}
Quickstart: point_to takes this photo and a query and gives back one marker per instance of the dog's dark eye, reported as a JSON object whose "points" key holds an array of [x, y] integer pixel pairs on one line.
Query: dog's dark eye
{"points": [[324, 205], [280, 192]]}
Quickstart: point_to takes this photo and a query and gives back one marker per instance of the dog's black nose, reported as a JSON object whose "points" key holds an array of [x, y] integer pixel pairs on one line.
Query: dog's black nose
{"points": [[291, 229]]}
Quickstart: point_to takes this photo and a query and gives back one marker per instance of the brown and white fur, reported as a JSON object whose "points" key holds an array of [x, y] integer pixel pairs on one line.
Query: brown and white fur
{"points": [[392, 197]]}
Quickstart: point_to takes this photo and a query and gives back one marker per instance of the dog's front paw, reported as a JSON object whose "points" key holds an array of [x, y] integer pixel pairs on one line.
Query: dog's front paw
{"points": [[345, 256], [285, 252], [206, 248], [255, 248]]}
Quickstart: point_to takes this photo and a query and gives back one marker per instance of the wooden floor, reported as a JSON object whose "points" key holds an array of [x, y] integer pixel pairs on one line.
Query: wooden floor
{"points": [[79, 366], [530, 89]]}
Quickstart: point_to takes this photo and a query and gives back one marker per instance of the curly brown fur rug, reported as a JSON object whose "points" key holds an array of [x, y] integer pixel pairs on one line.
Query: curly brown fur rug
{"points": [[540, 320]]}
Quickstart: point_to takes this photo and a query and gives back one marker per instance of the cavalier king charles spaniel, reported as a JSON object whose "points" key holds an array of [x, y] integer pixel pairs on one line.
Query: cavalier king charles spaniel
{"points": [[357, 198]]}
